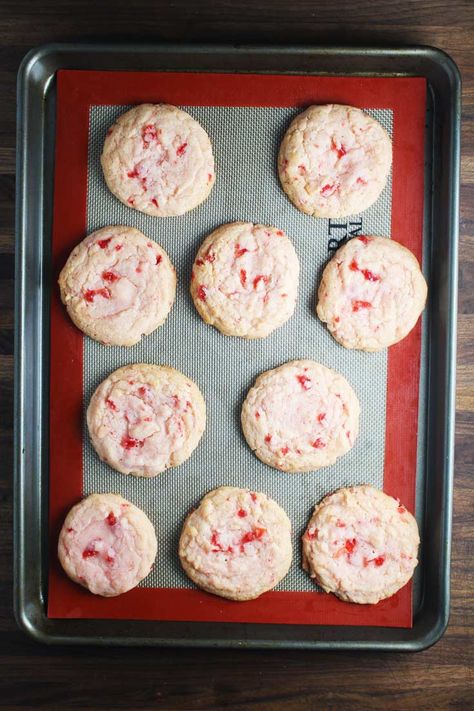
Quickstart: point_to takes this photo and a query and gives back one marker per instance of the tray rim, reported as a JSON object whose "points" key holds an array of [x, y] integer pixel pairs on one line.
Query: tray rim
{"points": [[35, 78]]}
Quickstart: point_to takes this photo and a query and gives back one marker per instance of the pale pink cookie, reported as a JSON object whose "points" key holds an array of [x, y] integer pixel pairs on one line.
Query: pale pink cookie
{"points": [[144, 419], [300, 416], [158, 159], [361, 545], [236, 544], [118, 285], [107, 544], [245, 279], [334, 160], [371, 294]]}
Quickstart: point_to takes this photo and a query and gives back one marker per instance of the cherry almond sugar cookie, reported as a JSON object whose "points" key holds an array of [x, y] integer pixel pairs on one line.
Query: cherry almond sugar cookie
{"points": [[361, 545], [245, 279], [334, 160], [118, 285], [371, 294], [158, 159], [300, 416], [236, 544], [107, 544], [143, 419]]}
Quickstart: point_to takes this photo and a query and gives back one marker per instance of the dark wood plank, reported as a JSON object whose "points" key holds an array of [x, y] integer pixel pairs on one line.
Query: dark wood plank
{"points": [[34, 676]]}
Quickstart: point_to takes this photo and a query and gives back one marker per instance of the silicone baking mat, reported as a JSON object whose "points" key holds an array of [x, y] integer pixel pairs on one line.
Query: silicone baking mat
{"points": [[245, 117]]}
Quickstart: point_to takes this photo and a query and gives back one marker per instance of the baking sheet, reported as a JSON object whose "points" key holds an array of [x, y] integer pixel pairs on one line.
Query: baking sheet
{"points": [[37, 465], [245, 139]]}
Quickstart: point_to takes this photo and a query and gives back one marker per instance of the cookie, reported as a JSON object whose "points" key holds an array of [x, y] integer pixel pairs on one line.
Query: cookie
{"points": [[334, 161], [300, 416], [107, 544], [157, 159], [118, 285], [371, 294], [245, 279], [143, 419], [361, 545], [236, 544]]}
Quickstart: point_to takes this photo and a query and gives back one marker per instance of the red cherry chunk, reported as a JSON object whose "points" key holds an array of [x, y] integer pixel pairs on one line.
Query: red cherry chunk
{"points": [[148, 134], [259, 278], [304, 381], [90, 294], [89, 552], [130, 442], [110, 277], [358, 305], [251, 536], [239, 251], [350, 544]]}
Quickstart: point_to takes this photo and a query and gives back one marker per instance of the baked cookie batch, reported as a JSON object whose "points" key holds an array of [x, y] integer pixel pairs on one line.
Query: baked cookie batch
{"points": [[119, 285]]}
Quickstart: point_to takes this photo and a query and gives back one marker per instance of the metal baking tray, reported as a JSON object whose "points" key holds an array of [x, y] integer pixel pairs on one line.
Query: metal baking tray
{"points": [[35, 164]]}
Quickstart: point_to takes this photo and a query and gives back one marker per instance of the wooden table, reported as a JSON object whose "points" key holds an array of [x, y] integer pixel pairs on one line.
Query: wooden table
{"points": [[34, 676]]}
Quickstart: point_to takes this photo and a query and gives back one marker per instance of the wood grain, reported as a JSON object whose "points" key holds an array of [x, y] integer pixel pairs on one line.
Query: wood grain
{"points": [[33, 676]]}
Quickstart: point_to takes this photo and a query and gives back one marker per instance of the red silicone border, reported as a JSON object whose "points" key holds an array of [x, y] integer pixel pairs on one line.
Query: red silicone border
{"points": [[77, 91]]}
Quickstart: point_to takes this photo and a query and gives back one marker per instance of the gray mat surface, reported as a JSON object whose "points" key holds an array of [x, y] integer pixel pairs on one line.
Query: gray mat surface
{"points": [[245, 142]]}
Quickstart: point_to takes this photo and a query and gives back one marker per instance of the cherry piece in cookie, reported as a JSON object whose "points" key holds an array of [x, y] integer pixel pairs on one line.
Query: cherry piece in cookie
{"points": [[107, 544], [236, 544], [245, 279], [308, 416], [371, 294], [365, 547], [334, 160], [144, 419], [117, 285], [157, 159]]}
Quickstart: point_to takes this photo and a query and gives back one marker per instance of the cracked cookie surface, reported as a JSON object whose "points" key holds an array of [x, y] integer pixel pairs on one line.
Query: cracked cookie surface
{"points": [[334, 160], [107, 544], [300, 416], [118, 285], [143, 419], [245, 279], [361, 544], [236, 544], [158, 159], [371, 294]]}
